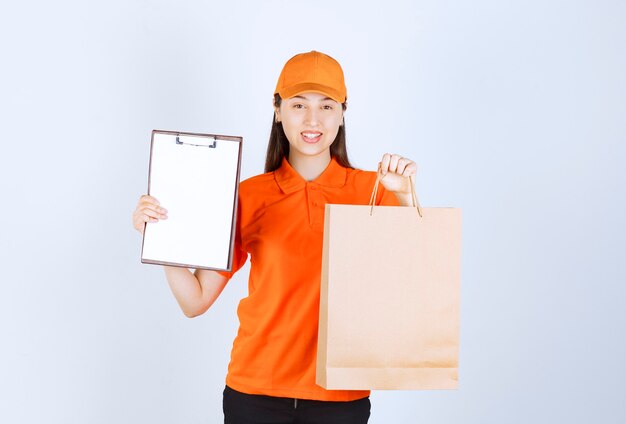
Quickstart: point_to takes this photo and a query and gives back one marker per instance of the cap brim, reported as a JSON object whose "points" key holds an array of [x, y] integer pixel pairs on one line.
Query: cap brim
{"points": [[307, 87]]}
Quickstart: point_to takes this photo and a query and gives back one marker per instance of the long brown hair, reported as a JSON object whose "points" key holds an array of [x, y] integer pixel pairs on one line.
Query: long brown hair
{"points": [[278, 146]]}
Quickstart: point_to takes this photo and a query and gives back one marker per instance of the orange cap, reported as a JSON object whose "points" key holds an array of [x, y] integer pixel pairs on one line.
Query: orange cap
{"points": [[312, 71]]}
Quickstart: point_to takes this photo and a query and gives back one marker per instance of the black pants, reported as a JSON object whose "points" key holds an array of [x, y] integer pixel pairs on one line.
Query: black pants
{"points": [[241, 408]]}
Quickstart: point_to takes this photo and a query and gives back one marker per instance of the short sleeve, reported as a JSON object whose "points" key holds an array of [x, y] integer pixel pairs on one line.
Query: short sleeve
{"points": [[239, 258], [239, 254]]}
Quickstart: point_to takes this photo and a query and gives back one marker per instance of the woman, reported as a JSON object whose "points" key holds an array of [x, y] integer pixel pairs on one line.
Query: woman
{"points": [[271, 376]]}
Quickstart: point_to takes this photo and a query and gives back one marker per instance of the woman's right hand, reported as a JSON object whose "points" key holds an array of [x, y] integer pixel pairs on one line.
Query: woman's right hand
{"points": [[148, 210]]}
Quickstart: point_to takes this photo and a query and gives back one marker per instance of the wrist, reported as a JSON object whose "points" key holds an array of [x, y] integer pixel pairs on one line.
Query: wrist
{"points": [[405, 199]]}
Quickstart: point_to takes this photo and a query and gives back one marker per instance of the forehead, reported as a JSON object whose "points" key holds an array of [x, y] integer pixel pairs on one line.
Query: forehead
{"points": [[311, 97]]}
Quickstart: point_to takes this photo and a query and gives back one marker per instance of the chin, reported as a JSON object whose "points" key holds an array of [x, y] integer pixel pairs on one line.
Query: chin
{"points": [[312, 150]]}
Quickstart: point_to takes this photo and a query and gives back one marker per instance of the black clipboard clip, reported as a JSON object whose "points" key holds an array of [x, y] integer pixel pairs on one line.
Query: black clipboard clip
{"points": [[212, 145]]}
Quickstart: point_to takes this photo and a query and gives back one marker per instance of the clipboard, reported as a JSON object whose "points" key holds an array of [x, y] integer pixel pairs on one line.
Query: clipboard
{"points": [[196, 178]]}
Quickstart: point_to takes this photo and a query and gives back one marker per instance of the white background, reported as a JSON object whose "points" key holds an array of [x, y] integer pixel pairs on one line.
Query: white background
{"points": [[513, 110]]}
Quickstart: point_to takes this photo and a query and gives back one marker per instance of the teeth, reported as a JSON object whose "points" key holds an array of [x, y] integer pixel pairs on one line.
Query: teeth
{"points": [[309, 135]]}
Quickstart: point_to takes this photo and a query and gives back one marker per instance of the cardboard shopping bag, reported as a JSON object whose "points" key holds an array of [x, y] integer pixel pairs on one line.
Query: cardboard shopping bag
{"points": [[389, 305]]}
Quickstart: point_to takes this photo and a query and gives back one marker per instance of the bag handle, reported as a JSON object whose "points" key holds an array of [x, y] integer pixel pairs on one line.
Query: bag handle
{"points": [[375, 192]]}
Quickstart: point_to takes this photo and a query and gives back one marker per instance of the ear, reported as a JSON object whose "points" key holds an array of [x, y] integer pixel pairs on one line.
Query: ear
{"points": [[277, 114]]}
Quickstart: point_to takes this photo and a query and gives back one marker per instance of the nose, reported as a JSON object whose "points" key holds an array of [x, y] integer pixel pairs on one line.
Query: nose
{"points": [[312, 117]]}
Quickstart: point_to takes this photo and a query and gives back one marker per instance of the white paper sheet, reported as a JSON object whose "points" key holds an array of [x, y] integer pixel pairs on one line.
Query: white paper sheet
{"points": [[197, 184]]}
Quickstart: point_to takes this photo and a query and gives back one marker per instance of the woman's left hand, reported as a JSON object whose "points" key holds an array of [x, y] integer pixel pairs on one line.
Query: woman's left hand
{"points": [[396, 172]]}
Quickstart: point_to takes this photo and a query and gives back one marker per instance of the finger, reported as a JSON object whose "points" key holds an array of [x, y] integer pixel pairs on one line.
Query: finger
{"points": [[384, 163], [402, 163], [146, 198], [393, 163], [148, 218], [139, 213], [410, 170], [144, 215], [404, 166], [153, 214], [155, 208]]}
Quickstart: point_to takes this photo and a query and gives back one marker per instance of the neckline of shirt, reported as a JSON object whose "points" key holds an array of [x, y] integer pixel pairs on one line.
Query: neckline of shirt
{"points": [[289, 180]]}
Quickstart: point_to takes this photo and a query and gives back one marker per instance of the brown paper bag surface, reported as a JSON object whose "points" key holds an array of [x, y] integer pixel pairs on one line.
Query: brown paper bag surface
{"points": [[389, 306]]}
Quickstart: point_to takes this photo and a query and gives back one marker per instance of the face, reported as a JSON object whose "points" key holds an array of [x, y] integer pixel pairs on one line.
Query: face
{"points": [[311, 122]]}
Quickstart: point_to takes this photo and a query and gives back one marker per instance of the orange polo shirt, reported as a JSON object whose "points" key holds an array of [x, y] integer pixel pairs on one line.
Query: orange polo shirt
{"points": [[280, 225]]}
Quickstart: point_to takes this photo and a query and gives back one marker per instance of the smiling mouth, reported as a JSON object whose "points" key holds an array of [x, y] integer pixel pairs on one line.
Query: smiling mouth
{"points": [[311, 137]]}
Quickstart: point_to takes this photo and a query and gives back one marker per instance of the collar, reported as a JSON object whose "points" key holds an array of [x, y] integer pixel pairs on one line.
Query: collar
{"points": [[289, 180]]}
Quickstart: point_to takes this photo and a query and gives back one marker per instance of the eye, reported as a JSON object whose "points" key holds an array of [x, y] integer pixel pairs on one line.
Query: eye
{"points": [[327, 107], [298, 106]]}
